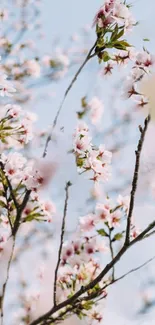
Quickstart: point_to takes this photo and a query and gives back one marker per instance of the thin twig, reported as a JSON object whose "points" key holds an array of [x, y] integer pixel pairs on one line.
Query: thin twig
{"points": [[19, 212], [112, 254], [143, 234], [6, 282], [8, 209], [135, 269], [64, 98], [150, 234], [135, 178], [61, 240]]}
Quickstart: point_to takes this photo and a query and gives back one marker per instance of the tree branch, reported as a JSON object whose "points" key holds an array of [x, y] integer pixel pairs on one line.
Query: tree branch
{"points": [[135, 178], [65, 95], [6, 281], [112, 253], [19, 212], [92, 284], [61, 240]]}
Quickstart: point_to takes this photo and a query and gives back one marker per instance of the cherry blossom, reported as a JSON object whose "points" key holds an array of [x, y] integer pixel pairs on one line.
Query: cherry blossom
{"points": [[6, 88], [114, 11], [33, 68], [96, 110], [89, 158]]}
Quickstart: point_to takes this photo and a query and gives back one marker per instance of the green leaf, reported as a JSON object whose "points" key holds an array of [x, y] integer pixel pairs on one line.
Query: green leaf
{"points": [[114, 33], [81, 314], [79, 162], [32, 216], [105, 56], [2, 204], [8, 128], [87, 305], [125, 43], [121, 45], [118, 236], [100, 43], [120, 34], [53, 64], [84, 102], [146, 40], [102, 232], [80, 114]]}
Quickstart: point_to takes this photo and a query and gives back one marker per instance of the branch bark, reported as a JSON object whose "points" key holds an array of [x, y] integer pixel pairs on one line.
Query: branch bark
{"points": [[88, 57], [135, 178], [61, 240], [6, 281]]}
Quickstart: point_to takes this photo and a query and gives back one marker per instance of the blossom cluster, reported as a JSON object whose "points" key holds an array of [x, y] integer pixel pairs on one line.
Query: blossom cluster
{"points": [[93, 107], [18, 174], [95, 234], [114, 11], [16, 127], [142, 66], [90, 158]]}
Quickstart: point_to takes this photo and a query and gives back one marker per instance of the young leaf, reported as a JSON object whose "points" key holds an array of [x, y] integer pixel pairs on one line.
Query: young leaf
{"points": [[102, 232], [118, 236]]}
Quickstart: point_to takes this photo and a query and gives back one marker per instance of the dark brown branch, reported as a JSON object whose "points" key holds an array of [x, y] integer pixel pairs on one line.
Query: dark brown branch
{"points": [[61, 240], [60, 317], [19, 212], [82, 290], [92, 284], [6, 281], [135, 178], [64, 98], [8, 210], [150, 234], [143, 234], [112, 254]]}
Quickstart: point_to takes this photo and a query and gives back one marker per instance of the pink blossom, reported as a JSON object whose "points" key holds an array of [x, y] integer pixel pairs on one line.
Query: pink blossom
{"points": [[115, 219], [33, 68], [82, 143], [87, 223], [13, 164], [145, 59], [130, 89], [104, 155], [102, 213], [96, 110], [135, 232], [38, 173], [108, 68], [124, 201], [68, 251], [96, 191], [89, 248], [13, 110], [6, 88]]}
